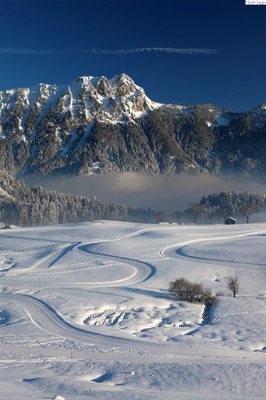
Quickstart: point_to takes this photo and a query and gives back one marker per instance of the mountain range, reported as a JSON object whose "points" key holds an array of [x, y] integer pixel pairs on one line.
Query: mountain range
{"points": [[97, 125]]}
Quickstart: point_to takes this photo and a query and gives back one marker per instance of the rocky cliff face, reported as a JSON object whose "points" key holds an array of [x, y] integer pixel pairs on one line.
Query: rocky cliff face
{"points": [[96, 125]]}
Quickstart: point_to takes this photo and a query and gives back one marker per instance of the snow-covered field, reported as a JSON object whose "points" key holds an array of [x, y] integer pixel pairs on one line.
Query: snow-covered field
{"points": [[85, 312]]}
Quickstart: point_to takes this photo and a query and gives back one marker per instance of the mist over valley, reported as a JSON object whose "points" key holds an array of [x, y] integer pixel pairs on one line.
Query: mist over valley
{"points": [[160, 192]]}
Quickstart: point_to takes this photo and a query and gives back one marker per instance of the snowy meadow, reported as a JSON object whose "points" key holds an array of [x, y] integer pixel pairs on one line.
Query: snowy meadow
{"points": [[86, 312]]}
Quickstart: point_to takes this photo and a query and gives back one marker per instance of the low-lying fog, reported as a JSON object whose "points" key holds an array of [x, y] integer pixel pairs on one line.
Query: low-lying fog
{"points": [[158, 192]]}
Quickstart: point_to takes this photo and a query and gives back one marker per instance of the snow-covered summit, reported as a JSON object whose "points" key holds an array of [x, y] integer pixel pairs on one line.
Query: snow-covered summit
{"points": [[57, 120], [101, 125], [115, 99], [94, 98]]}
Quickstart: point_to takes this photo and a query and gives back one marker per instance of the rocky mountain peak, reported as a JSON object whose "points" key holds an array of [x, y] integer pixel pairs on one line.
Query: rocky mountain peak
{"points": [[124, 85], [100, 125], [103, 87]]}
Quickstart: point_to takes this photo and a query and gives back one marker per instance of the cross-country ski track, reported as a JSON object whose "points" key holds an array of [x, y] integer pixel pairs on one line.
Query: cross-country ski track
{"points": [[139, 275], [47, 319]]}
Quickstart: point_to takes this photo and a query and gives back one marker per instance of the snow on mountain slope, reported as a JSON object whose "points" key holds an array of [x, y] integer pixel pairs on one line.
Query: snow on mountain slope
{"points": [[87, 96], [96, 125], [85, 311], [46, 126]]}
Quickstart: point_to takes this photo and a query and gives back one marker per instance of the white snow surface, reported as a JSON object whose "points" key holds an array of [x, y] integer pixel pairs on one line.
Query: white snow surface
{"points": [[85, 312]]}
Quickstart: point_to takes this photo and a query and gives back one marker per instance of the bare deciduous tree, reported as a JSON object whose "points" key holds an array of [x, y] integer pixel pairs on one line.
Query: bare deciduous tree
{"points": [[195, 211], [248, 206], [232, 283]]}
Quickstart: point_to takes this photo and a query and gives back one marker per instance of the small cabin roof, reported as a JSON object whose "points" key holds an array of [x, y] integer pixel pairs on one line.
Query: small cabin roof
{"points": [[230, 220]]}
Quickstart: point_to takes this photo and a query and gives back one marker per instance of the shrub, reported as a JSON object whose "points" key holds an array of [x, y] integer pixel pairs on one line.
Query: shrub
{"points": [[232, 283], [184, 290]]}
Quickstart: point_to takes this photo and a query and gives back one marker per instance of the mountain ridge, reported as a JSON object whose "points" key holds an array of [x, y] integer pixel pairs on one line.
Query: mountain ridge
{"points": [[98, 125]]}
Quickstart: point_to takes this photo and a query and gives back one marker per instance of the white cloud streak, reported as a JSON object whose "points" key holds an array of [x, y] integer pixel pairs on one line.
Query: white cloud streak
{"points": [[29, 52], [190, 51], [170, 50]]}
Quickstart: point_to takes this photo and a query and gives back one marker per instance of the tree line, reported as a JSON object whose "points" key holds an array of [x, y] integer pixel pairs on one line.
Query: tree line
{"points": [[26, 206], [217, 206]]}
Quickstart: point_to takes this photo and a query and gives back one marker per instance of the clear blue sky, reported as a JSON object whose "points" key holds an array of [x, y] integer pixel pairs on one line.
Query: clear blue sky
{"points": [[42, 41]]}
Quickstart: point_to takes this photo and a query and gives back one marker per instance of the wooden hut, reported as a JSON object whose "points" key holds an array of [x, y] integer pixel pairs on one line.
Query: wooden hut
{"points": [[230, 221]]}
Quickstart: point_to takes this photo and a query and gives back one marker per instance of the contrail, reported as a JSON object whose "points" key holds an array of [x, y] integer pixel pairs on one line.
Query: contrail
{"points": [[154, 50], [31, 52], [171, 50]]}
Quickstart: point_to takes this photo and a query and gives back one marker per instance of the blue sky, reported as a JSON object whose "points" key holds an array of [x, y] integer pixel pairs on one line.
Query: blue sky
{"points": [[56, 41]]}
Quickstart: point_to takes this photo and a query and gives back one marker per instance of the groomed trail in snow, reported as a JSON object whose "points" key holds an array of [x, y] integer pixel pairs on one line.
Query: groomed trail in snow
{"points": [[97, 300]]}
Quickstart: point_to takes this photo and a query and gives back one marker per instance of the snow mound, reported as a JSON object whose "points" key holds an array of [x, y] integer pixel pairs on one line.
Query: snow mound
{"points": [[159, 321]]}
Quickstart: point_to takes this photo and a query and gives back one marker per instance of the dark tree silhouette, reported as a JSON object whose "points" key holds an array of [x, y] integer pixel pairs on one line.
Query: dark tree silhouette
{"points": [[232, 283]]}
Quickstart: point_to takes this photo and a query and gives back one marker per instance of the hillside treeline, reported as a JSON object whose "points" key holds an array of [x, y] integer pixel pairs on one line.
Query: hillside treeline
{"points": [[25, 206], [217, 206]]}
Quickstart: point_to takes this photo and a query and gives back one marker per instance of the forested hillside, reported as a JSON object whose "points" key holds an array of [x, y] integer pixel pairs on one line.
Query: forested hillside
{"points": [[218, 206], [25, 206]]}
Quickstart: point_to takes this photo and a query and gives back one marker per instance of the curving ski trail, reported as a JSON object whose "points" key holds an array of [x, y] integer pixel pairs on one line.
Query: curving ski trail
{"points": [[143, 269], [47, 319], [177, 250]]}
